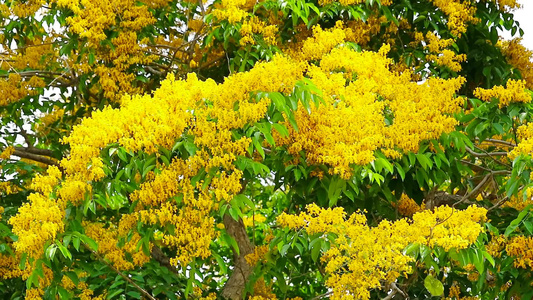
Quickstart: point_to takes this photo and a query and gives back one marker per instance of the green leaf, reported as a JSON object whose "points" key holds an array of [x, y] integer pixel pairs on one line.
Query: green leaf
{"points": [[516, 222], [258, 146], [51, 251], [89, 242], [281, 129], [115, 293], [134, 294], [489, 258], [63, 293], [315, 249], [424, 161], [434, 286], [64, 251]]}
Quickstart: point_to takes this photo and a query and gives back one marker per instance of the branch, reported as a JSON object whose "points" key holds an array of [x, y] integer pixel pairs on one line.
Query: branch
{"points": [[501, 142], [322, 296], [140, 289], [34, 73], [394, 291], [162, 259], [38, 151], [498, 204], [490, 154], [234, 287], [36, 158]]}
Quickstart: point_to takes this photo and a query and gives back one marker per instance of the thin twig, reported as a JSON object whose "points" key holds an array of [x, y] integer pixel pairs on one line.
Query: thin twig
{"points": [[325, 295], [477, 154], [140, 289], [501, 142], [498, 204]]}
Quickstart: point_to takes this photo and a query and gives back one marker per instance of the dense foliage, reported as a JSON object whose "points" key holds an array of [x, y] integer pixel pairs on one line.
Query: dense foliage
{"points": [[354, 149]]}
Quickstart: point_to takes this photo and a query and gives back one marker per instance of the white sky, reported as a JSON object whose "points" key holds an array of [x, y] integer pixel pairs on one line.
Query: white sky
{"points": [[525, 17]]}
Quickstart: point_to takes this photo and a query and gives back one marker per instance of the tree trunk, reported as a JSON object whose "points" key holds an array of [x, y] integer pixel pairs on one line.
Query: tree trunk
{"points": [[234, 288]]}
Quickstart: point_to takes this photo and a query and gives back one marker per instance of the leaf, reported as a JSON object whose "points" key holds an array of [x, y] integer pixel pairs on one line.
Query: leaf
{"points": [[514, 224], [51, 251], [64, 251], [90, 242], [265, 129], [424, 161], [134, 294], [489, 258], [315, 249], [115, 293], [400, 170], [63, 293], [434, 286], [282, 130]]}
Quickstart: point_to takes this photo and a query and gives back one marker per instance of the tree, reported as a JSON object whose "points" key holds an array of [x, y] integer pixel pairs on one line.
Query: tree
{"points": [[265, 149]]}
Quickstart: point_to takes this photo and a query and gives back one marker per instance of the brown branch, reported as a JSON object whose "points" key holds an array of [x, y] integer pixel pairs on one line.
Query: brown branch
{"points": [[37, 151], [394, 290], [234, 287], [486, 154], [34, 73], [498, 204], [35, 157], [136, 286], [500, 142], [162, 259], [325, 295]]}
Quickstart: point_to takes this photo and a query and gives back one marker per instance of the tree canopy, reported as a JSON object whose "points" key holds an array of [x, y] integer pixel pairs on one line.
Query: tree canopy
{"points": [[265, 149]]}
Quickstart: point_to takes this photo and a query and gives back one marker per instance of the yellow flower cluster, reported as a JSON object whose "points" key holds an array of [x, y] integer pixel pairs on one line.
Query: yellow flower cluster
{"points": [[321, 42], [496, 245], [407, 207], [145, 123], [262, 291], [520, 58], [514, 91], [108, 240], [455, 294], [45, 183], [256, 219], [362, 257], [460, 14], [92, 18], [522, 248], [73, 191], [38, 293], [360, 86], [506, 5], [258, 255], [8, 188], [519, 202], [8, 151], [37, 222], [360, 32], [255, 26], [231, 10], [352, 2], [449, 228], [41, 219], [81, 290], [42, 127], [9, 266], [440, 55], [24, 9], [525, 147], [14, 88]]}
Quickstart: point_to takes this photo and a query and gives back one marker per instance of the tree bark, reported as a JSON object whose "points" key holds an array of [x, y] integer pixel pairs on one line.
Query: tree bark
{"points": [[234, 288]]}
